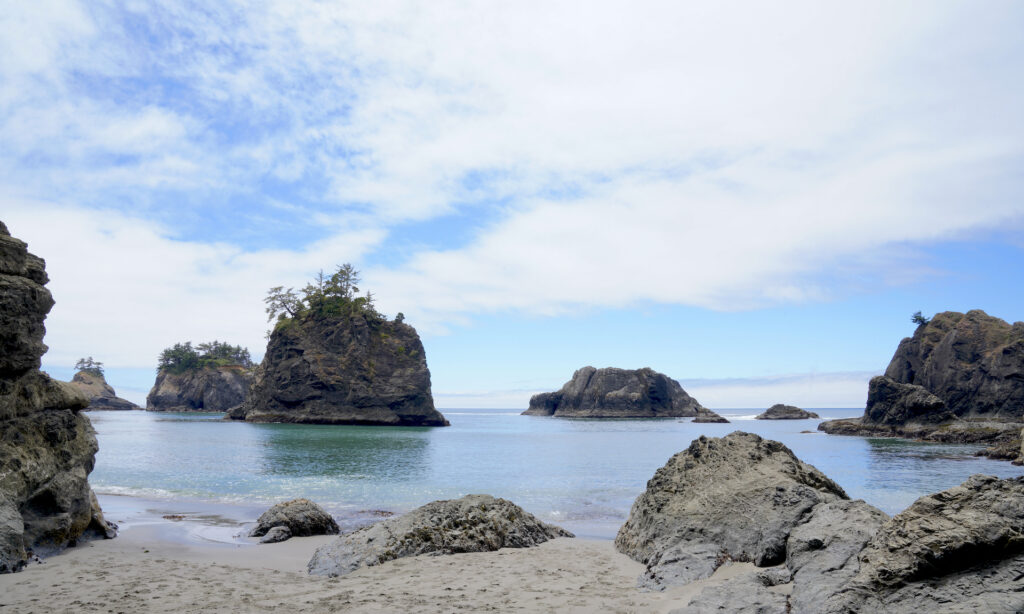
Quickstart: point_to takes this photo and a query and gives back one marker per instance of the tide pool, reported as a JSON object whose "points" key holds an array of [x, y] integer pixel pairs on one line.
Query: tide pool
{"points": [[581, 474]]}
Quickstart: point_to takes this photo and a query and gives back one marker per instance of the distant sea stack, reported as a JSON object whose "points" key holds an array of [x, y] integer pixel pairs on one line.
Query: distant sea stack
{"points": [[211, 376], [333, 359], [786, 412], [100, 394], [47, 448], [972, 361], [617, 393]]}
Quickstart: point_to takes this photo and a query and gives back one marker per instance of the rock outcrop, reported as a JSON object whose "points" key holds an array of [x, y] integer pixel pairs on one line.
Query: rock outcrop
{"points": [[786, 412], [300, 517], [210, 388], [972, 361], [47, 447], [907, 410], [617, 393], [100, 394], [712, 418], [347, 369], [959, 550], [474, 523], [749, 593], [732, 498]]}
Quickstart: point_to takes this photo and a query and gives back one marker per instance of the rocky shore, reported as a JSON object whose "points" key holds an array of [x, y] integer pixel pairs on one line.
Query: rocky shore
{"points": [[618, 393], [47, 446]]}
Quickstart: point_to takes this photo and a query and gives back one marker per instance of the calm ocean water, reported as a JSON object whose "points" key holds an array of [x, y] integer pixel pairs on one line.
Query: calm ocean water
{"points": [[582, 474]]}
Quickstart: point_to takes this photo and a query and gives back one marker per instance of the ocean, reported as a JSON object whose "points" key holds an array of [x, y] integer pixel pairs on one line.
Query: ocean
{"points": [[581, 474]]}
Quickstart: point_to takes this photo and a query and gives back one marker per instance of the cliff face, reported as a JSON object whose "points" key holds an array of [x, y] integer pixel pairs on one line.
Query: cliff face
{"points": [[972, 361], [343, 370], [205, 389], [617, 393], [99, 393], [47, 448]]}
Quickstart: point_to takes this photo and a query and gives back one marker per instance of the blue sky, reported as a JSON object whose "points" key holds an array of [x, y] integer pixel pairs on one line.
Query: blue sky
{"points": [[750, 199]]}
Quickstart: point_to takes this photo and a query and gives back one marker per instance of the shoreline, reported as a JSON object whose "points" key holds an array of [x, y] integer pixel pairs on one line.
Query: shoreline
{"points": [[159, 565]]}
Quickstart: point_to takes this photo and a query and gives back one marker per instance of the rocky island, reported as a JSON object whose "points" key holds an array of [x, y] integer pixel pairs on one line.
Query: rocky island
{"points": [[211, 376], [786, 412], [333, 359], [960, 378], [47, 447], [619, 393], [89, 380]]}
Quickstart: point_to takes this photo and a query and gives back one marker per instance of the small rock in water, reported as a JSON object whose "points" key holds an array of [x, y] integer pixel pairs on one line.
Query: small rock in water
{"points": [[301, 516]]}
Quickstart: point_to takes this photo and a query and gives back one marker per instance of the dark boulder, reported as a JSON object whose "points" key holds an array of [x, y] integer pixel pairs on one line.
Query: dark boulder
{"points": [[348, 369], [959, 550], [730, 498], [474, 523], [786, 412], [617, 393], [301, 517]]}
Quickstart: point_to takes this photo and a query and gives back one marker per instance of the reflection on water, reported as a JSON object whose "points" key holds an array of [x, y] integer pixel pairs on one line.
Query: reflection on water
{"points": [[584, 474]]}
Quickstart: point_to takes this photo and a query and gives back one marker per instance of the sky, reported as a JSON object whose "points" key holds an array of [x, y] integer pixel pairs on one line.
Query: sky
{"points": [[750, 198]]}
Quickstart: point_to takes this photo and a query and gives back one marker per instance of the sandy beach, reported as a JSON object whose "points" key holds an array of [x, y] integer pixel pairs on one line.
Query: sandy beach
{"points": [[157, 567]]}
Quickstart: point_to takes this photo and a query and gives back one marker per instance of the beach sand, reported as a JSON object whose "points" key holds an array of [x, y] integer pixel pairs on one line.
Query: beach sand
{"points": [[143, 570]]}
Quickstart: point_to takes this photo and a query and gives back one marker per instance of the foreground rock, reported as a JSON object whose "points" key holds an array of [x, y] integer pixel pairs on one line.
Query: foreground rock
{"points": [[822, 552], [958, 550], [100, 394], [748, 593], [786, 412], [617, 393], [474, 523], [972, 361], [211, 388], [732, 498], [354, 368], [47, 448], [907, 410], [298, 518]]}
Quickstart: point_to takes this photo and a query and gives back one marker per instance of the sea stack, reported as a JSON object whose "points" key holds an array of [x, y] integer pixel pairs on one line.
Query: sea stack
{"points": [[100, 394], [340, 362], [210, 388], [617, 393], [786, 412], [47, 447]]}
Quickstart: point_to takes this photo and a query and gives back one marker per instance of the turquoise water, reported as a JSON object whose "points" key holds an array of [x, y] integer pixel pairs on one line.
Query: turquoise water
{"points": [[582, 474]]}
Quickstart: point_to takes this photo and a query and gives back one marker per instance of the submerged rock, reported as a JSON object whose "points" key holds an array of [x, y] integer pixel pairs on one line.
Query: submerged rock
{"points": [[972, 361], [347, 369], [786, 412], [301, 517], [617, 393], [100, 394], [959, 550], [474, 523], [210, 388], [47, 447], [730, 498]]}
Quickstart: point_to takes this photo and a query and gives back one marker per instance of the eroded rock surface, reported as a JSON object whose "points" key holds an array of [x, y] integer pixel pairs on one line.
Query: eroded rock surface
{"points": [[822, 552], [206, 389], [301, 517], [351, 369], [972, 361], [100, 394], [737, 497], [786, 412], [617, 393], [750, 593], [47, 448], [959, 550], [474, 523]]}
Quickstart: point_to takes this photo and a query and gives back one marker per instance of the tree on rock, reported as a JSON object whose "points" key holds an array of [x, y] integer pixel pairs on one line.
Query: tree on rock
{"points": [[88, 365], [918, 319]]}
